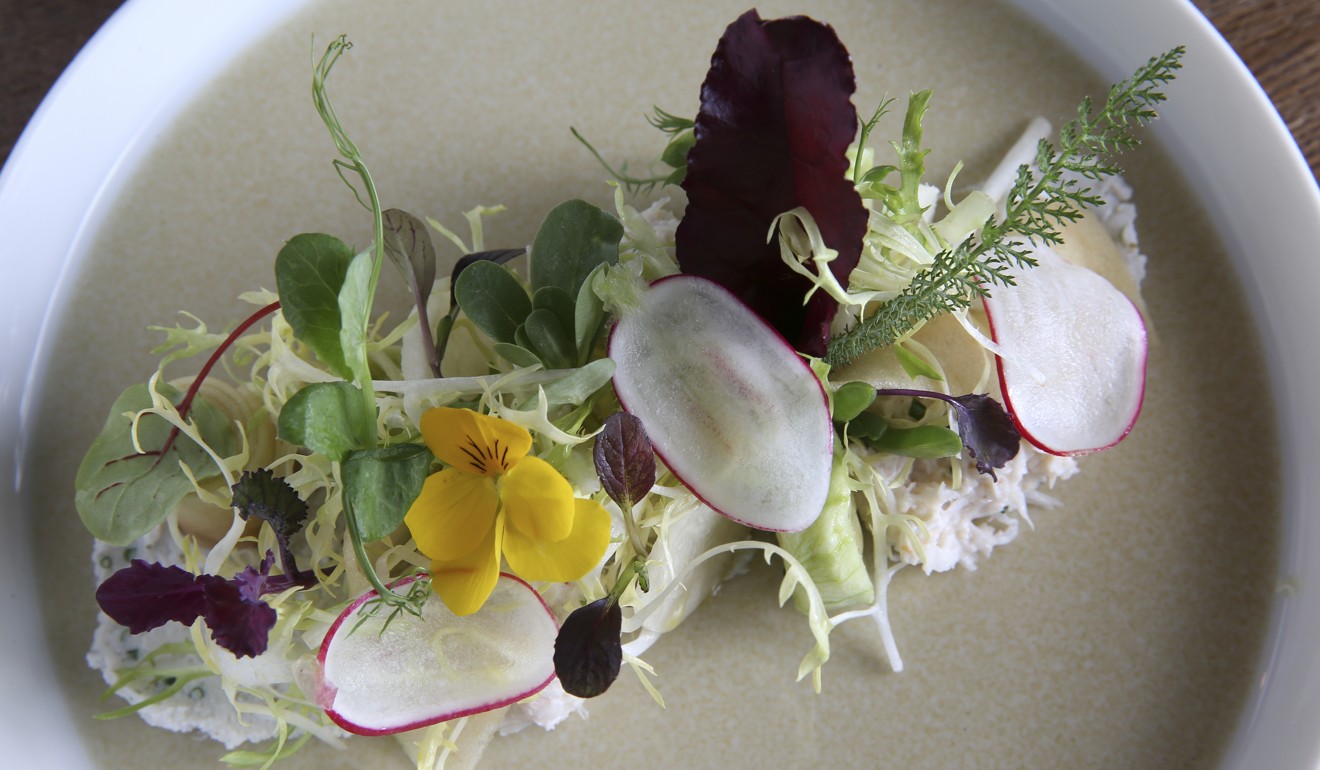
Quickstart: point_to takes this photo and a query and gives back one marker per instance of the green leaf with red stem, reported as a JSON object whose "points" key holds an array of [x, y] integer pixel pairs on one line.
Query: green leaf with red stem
{"points": [[121, 494]]}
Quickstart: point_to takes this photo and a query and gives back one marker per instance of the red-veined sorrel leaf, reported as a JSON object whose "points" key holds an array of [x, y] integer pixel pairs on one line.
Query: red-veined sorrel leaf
{"points": [[625, 460], [121, 493], [774, 124]]}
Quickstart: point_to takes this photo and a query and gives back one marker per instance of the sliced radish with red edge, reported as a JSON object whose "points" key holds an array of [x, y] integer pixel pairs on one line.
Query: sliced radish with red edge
{"points": [[730, 407], [379, 679], [1073, 363]]}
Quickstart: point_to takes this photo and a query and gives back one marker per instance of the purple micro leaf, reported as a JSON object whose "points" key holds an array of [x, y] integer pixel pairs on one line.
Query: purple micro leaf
{"points": [[987, 432], [408, 245], [144, 596], [624, 459], [588, 652], [775, 122], [252, 582], [257, 582], [238, 622]]}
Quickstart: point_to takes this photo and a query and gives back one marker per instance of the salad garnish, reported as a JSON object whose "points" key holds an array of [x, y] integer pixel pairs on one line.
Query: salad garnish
{"points": [[505, 498]]}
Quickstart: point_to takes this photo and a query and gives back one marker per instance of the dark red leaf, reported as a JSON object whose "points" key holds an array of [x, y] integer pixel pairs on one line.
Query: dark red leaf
{"points": [[143, 596], [987, 432], [774, 124], [239, 621], [625, 460], [588, 652]]}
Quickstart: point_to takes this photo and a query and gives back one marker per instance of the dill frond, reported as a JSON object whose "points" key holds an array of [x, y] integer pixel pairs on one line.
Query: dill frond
{"points": [[1039, 203]]}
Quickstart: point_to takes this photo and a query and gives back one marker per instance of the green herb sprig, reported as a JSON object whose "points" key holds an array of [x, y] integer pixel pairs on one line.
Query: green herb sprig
{"points": [[1038, 204], [681, 133]]}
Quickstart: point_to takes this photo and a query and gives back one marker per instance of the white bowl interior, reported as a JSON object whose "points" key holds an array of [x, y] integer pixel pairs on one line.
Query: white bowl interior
{"points": [[1263, 204]]}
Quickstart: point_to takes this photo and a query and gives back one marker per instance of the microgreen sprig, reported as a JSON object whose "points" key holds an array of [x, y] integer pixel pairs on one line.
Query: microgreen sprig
{"points": [[351, 161], [681, 137]]}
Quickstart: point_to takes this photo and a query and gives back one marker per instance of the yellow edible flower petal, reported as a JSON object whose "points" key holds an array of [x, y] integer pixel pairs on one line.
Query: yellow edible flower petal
{"points": [[538, 500], [473, 442], [567, 559], [465, 583], [453, 514]]}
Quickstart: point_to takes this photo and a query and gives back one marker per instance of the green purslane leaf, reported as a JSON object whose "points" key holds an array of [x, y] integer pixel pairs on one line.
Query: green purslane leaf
{"points": [[551, 342], [573, 240], [381, 484], [559, 302], [309, 272], [493, 297], [588, 316], [328, 417], [120, 494], [515, 354]]}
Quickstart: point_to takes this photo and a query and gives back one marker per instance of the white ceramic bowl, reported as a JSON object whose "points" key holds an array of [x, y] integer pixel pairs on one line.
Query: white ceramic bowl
{"points": [[69, 171]]}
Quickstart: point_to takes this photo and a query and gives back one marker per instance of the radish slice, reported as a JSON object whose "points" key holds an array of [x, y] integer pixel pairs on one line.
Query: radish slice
{"points": [[730, 407], [378, 679], [1073, 364]]}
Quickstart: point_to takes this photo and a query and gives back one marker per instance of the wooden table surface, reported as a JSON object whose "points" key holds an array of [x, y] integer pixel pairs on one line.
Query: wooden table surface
{"points": [[1278, 39]]}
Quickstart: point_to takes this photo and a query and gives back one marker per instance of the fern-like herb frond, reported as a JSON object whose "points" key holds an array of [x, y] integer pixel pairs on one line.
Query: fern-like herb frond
{"points": [[1041, 200]]}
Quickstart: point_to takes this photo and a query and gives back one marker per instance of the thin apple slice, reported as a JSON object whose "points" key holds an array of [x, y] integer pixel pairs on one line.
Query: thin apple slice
{"points": [[378, 678], [1073, 356], [730, 407]]}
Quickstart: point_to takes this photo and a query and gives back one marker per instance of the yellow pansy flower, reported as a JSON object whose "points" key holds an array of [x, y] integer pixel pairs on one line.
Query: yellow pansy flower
{"points": [[494, 499]]}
